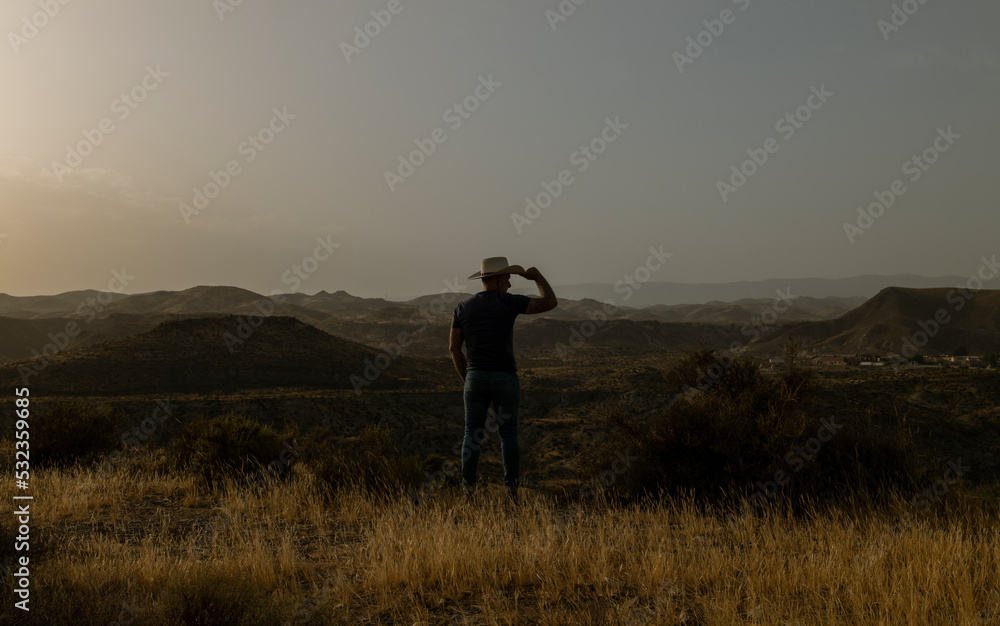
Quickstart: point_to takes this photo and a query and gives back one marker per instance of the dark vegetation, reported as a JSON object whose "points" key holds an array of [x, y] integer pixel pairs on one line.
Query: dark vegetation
{"points": [[733, 430], [73, 432]]}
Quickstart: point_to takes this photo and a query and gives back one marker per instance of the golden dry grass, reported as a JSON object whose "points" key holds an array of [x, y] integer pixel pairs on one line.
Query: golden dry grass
{"points": [[130, 538]]}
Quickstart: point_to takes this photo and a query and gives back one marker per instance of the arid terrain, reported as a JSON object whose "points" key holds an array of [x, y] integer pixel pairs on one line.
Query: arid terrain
{"points": [[126, 535]]}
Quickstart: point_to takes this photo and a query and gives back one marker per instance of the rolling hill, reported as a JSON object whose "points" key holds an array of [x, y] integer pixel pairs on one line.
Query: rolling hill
{"points": [[193, 355], [825, 325], [209, 299], [62, 305], [895, 315]]}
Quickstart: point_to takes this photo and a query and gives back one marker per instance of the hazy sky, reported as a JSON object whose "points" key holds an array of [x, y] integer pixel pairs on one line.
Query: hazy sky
{"points": [[154, 97]]}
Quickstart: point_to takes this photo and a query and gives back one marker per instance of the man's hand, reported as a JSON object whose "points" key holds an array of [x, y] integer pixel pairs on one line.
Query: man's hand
{"points": [[532, 273]]}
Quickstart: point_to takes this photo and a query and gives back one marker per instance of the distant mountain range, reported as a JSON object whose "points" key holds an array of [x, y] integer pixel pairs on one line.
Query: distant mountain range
{"points": [[82, 318], [841, 292], [314, 308], [653, 293], [178, 340]]}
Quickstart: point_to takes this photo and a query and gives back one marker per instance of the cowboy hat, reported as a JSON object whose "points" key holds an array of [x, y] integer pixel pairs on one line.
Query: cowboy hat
{"points": [[496, 265]]}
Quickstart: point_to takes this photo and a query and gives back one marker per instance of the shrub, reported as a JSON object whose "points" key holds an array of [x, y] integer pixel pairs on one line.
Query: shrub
{"points": [[60, 598], [215, 598], [227, 445], [733, 428], [71, 432], [372, 461]]}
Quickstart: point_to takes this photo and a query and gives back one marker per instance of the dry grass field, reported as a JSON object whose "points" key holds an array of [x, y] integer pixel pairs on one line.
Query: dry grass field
{"points": [[173, 535], [127, 545]]}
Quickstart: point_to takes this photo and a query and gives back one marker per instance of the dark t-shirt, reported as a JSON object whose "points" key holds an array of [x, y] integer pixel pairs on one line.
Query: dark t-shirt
{"points": [[487, 323]]}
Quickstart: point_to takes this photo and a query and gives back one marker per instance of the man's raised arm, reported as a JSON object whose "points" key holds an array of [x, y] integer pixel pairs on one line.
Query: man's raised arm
{"points": [[547, 301]]}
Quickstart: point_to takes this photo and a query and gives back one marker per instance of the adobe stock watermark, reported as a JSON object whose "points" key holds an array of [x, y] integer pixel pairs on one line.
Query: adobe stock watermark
{"points": [[796, 460], [122, 107], [305, 610], [224, 7], [760, 324], [787, 125], [366, 33], [373, 368], [582, 158], [93, 306], [293, 277], [754, 329], [123, 619], [925, 499], [290, 453], [899, 16], [958, 298], [32, 25], [454, 116], [62, 339], [450, 469], [133, 438], [933, 494], [627, 286], [704, 39], [604, 481], [913, 168], [563, 12], [724, 360], [250, 148]]}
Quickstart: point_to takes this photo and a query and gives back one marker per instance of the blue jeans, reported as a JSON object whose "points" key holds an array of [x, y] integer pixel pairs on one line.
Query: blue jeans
{"points": [[503, 391]]}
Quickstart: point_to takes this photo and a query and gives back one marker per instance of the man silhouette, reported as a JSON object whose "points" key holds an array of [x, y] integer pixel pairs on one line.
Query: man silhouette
{"points": [[485, 322]]}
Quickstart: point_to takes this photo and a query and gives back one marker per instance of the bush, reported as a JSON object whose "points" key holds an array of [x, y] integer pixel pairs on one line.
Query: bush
{"points": [[734, 428], [58, 597], [372, 461], [72, 432], [216, 599], [227, 445]]}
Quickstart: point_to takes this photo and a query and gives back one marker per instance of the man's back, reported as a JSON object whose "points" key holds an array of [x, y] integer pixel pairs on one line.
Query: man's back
{"points": [[487, 323]]}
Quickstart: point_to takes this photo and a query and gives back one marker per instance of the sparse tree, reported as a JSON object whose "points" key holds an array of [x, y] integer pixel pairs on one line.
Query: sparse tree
{"points": [[792, 349]]}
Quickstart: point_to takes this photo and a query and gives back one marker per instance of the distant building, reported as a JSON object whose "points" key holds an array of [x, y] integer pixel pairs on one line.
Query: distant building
{"points": [[895, 359], [961, 361], [830, 361]]}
